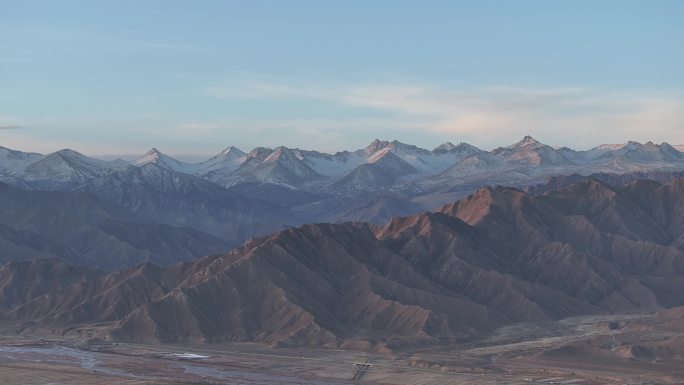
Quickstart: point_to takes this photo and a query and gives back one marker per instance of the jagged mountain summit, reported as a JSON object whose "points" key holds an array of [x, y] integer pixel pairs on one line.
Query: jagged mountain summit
{"points": [[229, 159], [62, 169], [530, 152], [154, 156]]}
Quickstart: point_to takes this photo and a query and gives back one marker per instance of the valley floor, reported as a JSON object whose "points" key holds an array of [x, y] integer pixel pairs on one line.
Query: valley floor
{"points": [[579, 350]]}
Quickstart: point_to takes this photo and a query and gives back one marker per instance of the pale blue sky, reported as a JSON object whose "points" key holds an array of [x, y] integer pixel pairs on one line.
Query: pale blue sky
{"points": [[191, 77]]}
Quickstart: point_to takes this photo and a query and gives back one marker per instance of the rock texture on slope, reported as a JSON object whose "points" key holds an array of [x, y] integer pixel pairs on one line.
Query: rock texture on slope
{"points": [[497, 257]]}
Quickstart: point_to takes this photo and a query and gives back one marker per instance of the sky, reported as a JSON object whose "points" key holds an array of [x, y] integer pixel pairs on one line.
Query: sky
{"points": [[193, 77]]}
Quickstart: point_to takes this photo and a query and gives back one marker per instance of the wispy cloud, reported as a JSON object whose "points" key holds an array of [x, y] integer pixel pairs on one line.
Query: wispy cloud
{"points": [[11, 122], [498, 114], [10, 127]]}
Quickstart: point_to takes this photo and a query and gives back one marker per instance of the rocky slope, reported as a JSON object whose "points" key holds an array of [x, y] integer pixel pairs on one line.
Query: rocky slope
{"points": [[497, 257]]}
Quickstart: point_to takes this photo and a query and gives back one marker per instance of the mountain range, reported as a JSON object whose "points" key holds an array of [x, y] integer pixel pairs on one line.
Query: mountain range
{"points": [[235, 196], [382, 165], [497, 257]]}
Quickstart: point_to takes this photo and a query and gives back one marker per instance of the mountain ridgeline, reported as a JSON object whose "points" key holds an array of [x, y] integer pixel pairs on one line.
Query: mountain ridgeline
{"points": [[382, 165], [497, 257], [235, 195]]}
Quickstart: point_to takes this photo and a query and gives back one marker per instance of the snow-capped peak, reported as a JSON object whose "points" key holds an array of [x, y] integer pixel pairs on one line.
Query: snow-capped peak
{"points": [[444, 147], [227, 160], [376, 145], [151, 156], [449, 147], [68, 167], [527, 141], [259, 153], [303, 168], [157, 157], [229, 152], [609, 147], [69, 153], [76, 159], [280, 153]]}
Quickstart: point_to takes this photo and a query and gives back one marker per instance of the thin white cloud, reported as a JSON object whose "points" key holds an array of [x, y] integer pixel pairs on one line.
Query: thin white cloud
{"points": [[10, 122], [418, 114], [498, 114]]}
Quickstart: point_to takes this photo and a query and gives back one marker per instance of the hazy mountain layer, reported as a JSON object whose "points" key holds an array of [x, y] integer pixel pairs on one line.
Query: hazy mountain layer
{"points": [[160, 195], [80, 228]]}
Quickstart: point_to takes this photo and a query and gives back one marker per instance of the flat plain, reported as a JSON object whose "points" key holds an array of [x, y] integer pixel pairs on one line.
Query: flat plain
{"points": [[580, 350]]}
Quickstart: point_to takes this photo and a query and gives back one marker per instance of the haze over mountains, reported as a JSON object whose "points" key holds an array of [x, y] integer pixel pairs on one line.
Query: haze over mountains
{"points": [[498, 257], [115, 207], [81, 229]]}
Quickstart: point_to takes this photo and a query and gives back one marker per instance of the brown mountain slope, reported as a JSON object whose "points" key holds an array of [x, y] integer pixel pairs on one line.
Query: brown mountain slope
{"points": [[498, 257]]}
